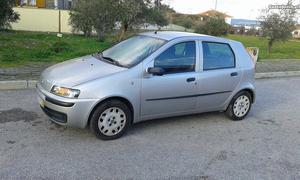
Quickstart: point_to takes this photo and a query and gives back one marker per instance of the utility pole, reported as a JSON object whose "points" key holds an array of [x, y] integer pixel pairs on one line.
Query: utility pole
{"points": [[59, 21], [216, 4]]}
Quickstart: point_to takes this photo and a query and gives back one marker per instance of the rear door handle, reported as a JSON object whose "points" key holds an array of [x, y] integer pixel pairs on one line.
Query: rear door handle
{"points": [[190, 80], [234, 74]]}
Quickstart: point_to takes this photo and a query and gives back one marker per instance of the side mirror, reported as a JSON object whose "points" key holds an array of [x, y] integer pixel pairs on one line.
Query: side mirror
{"points": [[156, 71]]}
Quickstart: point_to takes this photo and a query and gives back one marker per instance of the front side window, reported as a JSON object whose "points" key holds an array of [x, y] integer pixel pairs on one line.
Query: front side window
{"points": [[178, 58], [133, 50], [217, 56]]}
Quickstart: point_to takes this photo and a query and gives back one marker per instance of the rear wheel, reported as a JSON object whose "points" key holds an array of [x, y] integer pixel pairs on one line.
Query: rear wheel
{"points": [[239, 106], [110, 120]]}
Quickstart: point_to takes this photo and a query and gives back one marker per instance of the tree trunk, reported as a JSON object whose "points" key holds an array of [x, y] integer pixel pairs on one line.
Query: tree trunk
{"points": [[122, 33], [124, 29], [86, 33], [100, 34], [270, 45]]}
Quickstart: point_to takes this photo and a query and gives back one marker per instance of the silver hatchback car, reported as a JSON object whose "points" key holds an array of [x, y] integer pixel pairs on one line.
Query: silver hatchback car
{"points": [[150, 75]]}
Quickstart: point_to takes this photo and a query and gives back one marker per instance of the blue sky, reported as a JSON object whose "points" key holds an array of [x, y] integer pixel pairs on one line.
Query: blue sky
{"points": [[247, 9]]}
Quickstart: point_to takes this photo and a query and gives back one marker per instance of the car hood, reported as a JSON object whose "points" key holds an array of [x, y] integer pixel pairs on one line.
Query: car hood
{"points": [[77, 71]]}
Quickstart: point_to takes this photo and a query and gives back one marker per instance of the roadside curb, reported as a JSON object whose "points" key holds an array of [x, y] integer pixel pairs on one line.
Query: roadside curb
{"points": [[31, 84], [277, 74], [18, 84]]}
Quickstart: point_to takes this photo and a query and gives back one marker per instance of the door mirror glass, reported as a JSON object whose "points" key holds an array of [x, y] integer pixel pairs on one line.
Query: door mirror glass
{"points": [[157, 71]]}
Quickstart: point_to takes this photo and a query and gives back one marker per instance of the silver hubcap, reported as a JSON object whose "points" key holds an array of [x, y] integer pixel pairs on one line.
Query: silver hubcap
{"points": [[112, 121], [241, 106]]}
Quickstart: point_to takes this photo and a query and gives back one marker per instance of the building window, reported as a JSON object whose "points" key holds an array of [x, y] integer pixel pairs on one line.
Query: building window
{"points": [[28, 2]]}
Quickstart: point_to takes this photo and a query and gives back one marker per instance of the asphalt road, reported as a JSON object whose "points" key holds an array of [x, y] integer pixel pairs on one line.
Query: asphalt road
{"points": [[207, 146]]}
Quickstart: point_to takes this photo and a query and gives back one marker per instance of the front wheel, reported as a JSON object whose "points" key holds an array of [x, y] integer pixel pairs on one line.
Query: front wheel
{"points": [[239, 106], [110, 120]]}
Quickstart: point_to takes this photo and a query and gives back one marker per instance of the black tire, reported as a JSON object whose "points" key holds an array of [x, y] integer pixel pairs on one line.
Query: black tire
{"points": [[95, 118], [230, 110]]}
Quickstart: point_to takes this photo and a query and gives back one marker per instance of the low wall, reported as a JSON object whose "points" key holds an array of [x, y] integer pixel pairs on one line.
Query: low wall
{"points": [[45, 20]]}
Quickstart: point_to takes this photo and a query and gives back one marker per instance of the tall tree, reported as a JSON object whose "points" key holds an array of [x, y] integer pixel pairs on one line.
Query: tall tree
{"points": [[137, 12], [130, 13], [104, 16], [277, 26], [80, 17], [98, 15], [7, 14]]}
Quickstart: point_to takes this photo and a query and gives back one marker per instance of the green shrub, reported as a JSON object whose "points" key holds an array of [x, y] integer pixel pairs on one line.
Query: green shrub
{"points": [[42, 54], [215, 26], [60, 46]]}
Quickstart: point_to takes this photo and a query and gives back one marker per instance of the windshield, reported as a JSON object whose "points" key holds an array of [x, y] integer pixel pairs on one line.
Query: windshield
{"points": [[133, 50]]}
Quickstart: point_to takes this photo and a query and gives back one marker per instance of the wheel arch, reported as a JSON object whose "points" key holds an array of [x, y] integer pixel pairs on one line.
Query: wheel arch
{"points": [[251, 92], [249, 89], [124, 100]]}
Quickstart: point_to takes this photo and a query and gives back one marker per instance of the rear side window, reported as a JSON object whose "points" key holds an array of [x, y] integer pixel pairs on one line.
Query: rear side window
{"points": [[178, 58], [217, 56]]}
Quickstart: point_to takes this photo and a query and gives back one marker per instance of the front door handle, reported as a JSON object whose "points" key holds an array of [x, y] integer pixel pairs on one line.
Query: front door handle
{"points": [[190, 80], [234, 74]]}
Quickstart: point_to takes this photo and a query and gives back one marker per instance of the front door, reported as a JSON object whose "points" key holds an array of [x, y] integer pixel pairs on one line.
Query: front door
{"points": [[174, 91]]}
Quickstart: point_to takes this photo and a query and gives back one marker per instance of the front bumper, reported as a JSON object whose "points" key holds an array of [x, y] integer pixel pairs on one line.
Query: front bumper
{"points": [[65, 111]]}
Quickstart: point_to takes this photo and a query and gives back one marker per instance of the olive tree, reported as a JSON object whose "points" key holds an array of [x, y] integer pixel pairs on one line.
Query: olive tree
{"points": [[136, 12], [7, 14], [80, 17], [277, 26], [130, 14], [98, 15], [103, 16]]}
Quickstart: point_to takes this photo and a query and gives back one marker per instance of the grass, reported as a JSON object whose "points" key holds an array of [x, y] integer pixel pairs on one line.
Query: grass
{"points": [[21, 48], [281, 50]]}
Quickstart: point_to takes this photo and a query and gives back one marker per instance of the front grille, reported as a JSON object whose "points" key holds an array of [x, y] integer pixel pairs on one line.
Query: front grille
{"points": [[46, 84], [55, 115]]}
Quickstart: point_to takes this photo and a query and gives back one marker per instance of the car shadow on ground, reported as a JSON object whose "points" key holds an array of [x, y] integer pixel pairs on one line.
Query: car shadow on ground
{"points": [[186, 119]]}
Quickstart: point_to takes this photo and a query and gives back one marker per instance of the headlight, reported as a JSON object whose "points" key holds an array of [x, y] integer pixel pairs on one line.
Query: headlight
{"points": [[65, 92]]}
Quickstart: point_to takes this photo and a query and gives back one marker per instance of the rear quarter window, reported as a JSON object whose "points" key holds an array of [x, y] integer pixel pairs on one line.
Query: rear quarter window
{"points": [[217, 56]]}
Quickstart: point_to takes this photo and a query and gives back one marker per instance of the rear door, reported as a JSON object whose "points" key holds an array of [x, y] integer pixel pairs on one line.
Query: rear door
{"points": [[219, 76]]}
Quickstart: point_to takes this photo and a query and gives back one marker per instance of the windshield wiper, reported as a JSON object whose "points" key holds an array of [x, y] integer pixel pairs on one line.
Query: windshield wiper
{"points": [[97, 55], [112, 61]]}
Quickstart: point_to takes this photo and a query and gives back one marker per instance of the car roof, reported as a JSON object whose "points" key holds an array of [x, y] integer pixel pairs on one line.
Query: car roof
{"points": [[170, 35]]}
